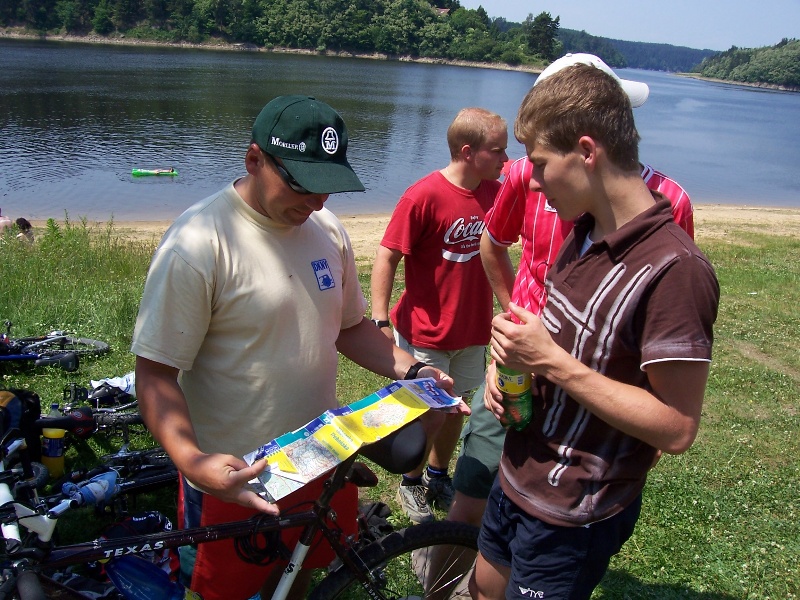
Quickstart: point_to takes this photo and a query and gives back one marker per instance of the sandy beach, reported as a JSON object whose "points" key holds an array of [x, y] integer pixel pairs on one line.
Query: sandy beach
{"points": [[711, 221]]}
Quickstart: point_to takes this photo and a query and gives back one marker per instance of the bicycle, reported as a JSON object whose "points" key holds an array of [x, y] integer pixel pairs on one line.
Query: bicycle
{"points": [[380, 570], [139, 471], [54, 348]]}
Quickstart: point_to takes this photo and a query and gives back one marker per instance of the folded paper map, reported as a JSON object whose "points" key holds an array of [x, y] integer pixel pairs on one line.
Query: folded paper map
{"points": [[304, 454]]}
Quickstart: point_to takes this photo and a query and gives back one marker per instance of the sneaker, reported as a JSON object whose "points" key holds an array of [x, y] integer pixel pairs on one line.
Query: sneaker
{"points": [[440, 491], [412, 501]]}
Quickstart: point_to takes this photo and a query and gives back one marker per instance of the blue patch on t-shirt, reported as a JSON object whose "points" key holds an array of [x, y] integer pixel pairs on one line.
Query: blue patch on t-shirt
{"points": [[325, 279]]}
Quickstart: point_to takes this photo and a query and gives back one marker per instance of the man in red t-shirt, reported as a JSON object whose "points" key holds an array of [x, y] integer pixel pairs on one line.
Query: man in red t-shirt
{"points": [[443, 315]]}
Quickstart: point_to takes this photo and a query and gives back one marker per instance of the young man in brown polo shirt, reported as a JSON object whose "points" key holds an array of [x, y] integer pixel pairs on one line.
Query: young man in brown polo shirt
{"points": [[620, 353]]}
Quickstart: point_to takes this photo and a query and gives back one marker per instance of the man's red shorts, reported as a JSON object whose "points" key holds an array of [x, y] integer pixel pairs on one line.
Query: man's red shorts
{"points": [[215, 570]]}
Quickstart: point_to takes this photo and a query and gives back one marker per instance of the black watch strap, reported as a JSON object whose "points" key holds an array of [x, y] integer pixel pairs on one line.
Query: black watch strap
{"points": [[380, 324], [413, 370]]}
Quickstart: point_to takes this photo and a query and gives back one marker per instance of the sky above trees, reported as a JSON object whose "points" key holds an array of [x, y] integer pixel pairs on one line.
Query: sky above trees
{"points": [[712, 24]]}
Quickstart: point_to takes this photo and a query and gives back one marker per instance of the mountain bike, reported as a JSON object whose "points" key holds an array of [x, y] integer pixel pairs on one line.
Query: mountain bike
{"points": [[139, 471], [391, 567], [54, 348]]}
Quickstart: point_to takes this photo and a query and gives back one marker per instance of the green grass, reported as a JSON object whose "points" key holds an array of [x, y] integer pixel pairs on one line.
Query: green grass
{"points": [[718, 522]]}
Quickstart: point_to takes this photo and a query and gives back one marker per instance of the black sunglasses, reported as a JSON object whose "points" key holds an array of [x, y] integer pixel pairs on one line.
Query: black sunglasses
{"points": [[287, 177]]}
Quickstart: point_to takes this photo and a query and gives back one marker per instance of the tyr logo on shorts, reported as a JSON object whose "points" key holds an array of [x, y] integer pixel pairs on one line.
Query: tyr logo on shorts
{"points": [[323, 273]]}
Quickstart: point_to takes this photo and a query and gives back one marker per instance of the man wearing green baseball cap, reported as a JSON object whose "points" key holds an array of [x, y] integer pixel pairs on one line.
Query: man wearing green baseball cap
{"points": [[310, 139], [250, 296]]}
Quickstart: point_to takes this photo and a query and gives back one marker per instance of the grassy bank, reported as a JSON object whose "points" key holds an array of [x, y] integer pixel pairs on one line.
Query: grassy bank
{"points": [[719, 522]]}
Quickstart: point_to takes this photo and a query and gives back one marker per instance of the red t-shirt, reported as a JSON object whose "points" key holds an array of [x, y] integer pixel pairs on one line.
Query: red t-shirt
{"points": [[447, 301]]}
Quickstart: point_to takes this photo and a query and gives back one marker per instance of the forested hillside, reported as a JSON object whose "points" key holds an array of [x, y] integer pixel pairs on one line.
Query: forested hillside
{"points": [[580, 41], [416, 28], [659, 57], [439, 29], [777, 65]]}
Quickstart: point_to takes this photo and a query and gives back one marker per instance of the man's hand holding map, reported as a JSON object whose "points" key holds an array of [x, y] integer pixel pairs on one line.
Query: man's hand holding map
{"points": [[300, 456]]}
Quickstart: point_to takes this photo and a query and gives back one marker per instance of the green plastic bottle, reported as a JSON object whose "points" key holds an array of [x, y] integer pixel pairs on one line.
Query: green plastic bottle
{"points": [[517, 398]]}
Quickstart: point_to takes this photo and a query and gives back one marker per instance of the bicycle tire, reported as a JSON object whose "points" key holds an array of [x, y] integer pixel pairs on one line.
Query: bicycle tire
{"points": [[397, 562], [137, 460], [53, 346], [23, 489], [110, 419], [41, 474]]}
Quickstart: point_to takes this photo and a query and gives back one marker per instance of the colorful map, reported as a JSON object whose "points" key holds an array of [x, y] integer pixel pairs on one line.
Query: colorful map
{"points": [[300, 456]]}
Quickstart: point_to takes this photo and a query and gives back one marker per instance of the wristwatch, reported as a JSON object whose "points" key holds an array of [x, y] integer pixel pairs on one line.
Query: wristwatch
{"points": [[380, 324], [413, 370]]}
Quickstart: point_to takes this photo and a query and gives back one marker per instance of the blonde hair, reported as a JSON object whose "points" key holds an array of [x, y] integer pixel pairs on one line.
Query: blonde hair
{"points": [[470, 128], [576, 101]]}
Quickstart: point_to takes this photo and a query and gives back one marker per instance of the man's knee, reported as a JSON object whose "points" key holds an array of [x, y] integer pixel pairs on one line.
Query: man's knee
{"points": [[432, 422], [465, 509], [489, 580]]}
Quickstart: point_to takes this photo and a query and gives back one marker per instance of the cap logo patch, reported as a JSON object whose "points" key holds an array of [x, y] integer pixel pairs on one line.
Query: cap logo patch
{"points": [[276, 141], [330, 140]]}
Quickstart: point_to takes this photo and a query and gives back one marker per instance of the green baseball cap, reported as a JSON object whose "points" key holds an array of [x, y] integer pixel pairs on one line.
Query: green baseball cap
{"points": [[310, 138]]}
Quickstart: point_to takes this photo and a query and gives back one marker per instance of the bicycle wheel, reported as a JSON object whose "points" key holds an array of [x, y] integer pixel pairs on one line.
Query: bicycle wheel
{"points": [[111, 419], [138, 460], [59, 344], [433, 560]]}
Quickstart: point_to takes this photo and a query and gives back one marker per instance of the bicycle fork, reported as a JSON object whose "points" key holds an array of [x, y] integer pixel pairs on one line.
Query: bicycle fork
{"points": [[343, 473]]}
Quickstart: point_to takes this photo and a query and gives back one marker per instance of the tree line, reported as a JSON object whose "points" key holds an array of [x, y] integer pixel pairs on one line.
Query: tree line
{"points": [[777, 65], [417, 28], [439, 29]]}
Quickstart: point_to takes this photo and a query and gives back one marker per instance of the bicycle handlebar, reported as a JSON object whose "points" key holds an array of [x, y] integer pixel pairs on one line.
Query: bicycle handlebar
{"points": [[79, 421]]}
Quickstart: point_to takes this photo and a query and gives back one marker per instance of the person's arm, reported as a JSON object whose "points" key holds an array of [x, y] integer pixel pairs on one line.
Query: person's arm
{"points": [[666, 418], [166, 415], [499, 269], [382, 281]]}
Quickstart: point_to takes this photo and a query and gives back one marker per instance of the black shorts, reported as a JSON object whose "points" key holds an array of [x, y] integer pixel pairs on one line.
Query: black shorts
{"points": [[551, 561]]}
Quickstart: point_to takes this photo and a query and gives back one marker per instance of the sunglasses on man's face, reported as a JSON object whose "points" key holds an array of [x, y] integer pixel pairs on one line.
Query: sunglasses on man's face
{"points": [[287, 177]]}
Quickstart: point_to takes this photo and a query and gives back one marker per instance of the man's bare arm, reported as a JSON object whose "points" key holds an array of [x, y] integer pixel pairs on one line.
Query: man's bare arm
{"points": [[382, 281], [499, 270], [166, 414]]}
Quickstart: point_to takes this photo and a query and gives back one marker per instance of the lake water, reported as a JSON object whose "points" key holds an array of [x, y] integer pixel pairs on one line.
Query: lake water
{"points": [[77, 117]]}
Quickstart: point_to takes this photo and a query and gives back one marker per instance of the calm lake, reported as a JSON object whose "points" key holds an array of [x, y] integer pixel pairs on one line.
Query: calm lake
{"points": [[77, 117]]}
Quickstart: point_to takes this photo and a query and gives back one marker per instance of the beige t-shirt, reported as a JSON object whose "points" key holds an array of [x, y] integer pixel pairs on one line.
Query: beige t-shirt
{"points": [[249, 311]]}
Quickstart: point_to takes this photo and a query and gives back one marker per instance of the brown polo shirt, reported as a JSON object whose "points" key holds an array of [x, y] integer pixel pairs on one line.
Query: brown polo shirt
{"points": [[642, 294]]}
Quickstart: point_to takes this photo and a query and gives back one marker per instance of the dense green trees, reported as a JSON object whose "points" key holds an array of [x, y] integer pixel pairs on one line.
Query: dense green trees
{"points": [[418, 28], [542, 34], [775, 65], [439, 29]]}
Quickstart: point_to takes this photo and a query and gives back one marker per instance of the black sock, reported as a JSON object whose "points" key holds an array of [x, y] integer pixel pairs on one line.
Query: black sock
{"points": [[407, 481], [434, 473]]}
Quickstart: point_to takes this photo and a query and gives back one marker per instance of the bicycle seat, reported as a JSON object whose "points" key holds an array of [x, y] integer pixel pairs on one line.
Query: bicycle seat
{"points": [[399, 452]]}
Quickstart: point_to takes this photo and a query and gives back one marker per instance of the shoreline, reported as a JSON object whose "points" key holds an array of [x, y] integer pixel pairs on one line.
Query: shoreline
{"points": [[120, 39], [764, 86], [712, 221]]}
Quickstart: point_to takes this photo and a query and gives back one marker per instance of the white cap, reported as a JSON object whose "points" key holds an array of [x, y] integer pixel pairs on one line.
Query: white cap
{"points": [[636, 90]]}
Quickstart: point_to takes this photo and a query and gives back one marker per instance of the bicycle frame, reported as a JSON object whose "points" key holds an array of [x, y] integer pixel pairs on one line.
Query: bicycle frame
{"points": [[312, 521]]}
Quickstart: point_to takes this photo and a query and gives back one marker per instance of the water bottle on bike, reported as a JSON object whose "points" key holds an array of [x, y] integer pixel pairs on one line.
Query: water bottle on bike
{"points": [[53, 446]]}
